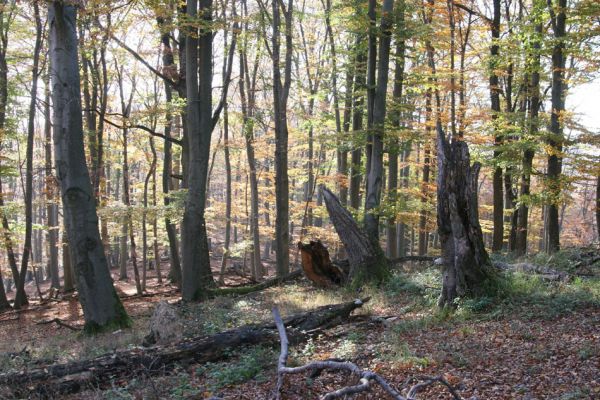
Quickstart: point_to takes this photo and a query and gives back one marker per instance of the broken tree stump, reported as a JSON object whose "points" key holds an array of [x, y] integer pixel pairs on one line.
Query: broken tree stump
{"points": [[317, 265], [50, 381], [367, 261]]}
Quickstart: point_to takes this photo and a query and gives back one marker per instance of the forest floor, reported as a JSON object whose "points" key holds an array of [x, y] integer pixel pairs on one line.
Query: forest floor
{"points": [[533, 340]]}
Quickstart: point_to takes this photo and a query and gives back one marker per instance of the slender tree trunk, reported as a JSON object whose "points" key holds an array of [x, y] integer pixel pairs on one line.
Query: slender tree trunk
{"points": [[555, 140], [51, 201], [357, 125], [280, 98], [497, 184], [21, 296], [528, 154], [394, 146], [101, 305], [128, 223], [375, 177]]}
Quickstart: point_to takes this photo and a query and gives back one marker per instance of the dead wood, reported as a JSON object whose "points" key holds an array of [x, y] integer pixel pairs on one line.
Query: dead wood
{"points": [[545, 273], [367, 261], [246, 289], [59, 322], [50, 381], [365, 377], [317, 265]]}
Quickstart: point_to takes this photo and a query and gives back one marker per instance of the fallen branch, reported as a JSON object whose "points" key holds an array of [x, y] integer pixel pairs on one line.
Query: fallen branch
{"points": [[544, 272], [59, 322], [404, 259], [255, 288], [50, 381], [365, 377]]}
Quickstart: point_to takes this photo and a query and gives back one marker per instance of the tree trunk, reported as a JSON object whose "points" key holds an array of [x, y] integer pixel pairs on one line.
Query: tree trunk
{"points": [[280, 98], [498, 196], [247, 87], [367, 261], [375, 176], [394, 147], [197, 275], [528, 154], [466, 265], [51, 200], [6, 233], [555, 140], [21, 296], [128, 224], [357, 123], [101, 305]]}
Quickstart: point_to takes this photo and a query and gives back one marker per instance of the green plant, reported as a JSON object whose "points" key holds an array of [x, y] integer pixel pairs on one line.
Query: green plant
{"points": [[249, 365]]}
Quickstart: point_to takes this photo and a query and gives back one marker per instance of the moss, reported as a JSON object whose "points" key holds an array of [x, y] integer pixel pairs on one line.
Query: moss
{"points": [[120, 320]]}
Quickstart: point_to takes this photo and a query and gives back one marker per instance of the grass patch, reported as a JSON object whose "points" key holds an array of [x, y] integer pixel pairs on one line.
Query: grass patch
{"points": [[250, 365]]}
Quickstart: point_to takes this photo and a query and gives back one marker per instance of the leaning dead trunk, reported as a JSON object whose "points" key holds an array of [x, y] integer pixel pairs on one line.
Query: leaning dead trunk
{"points": [[367, 261], [99, 300], [465, 261]]}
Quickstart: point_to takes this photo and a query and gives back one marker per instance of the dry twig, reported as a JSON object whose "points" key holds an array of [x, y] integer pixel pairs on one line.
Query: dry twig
{"points": [[365, 377]]}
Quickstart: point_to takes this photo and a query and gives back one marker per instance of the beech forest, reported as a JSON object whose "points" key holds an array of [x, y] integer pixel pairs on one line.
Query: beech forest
{"points": [[300, 199]]}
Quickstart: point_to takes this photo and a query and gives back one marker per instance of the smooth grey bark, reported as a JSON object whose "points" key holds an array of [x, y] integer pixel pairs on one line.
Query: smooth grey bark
{"points": [[101, 305], [197, 274], [375, 174], [50, 187], [280, 97]]}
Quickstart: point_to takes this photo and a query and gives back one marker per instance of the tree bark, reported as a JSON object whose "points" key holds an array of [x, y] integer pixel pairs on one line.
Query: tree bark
{"points": [[280, 97], [197, 275], [375, 176], [555, 139], [367, 261], [466, 265], [101, 306], [50, 188], [167, 184], [21, 296], [498, 197]]}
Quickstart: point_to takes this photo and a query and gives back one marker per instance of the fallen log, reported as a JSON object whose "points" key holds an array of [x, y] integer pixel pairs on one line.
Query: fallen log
{"points": [[50, 381], [543, 272]]}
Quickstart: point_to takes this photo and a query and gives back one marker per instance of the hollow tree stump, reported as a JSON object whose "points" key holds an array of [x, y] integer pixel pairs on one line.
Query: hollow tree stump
{"points": [[317, 265], [466, 264]]}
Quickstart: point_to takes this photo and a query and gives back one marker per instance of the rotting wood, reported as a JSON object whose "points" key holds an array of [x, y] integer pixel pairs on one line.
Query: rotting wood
{"points": [[317, 265], [49, 381]]}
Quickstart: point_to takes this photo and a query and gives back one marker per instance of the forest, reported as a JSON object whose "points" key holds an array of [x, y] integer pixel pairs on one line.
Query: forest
{"points": [[298, 199]]}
